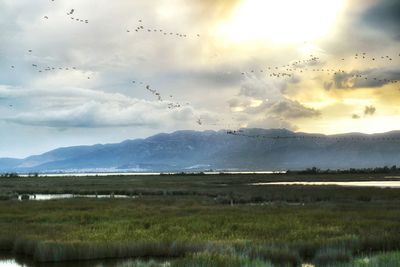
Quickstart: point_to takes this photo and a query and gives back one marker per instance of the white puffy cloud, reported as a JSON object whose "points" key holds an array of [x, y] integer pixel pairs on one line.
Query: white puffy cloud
{"points": [[264, 104], [87, 108]]}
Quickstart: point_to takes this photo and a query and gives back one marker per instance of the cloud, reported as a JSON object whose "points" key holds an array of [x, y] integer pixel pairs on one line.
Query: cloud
{"points": [[86, 108], [370, 78], [384, 16], [215, 8], [239, 103], [369, 110], [218, 76], [289, 109], [268, 97], [271, 122], [328, 85], [259, 88]]}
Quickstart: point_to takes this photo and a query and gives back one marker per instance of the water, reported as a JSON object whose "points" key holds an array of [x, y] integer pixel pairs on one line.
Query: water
{"points": [[94, 174], [9, 261], [39, 197], [381, 184]]}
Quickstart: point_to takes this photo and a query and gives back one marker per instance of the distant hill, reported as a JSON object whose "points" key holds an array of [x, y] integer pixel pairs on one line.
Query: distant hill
{"points": [[253, 149]]}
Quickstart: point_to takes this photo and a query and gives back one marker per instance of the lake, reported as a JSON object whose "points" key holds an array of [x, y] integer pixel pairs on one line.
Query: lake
{"points": [[382, 184]]}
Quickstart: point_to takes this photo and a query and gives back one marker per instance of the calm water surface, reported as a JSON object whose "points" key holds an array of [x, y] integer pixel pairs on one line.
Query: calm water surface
{"points": [[12, 262], [94, 174], [382, 184]]}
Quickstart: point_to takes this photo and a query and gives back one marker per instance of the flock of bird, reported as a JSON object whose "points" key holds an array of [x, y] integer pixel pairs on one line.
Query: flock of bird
{"points": [[309, 65], [50, 69], [310, 137], [70, 13], [285, 71], [142, 28], [160, 98], [170, 103]]}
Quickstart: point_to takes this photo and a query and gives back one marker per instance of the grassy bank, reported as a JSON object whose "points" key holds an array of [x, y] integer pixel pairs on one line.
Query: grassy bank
{"points": [[169, 226], [223, 187], [282, 226]]}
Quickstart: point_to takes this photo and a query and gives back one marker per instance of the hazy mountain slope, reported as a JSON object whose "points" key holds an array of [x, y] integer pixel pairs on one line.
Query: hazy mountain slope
{"points": [[190, 150]]}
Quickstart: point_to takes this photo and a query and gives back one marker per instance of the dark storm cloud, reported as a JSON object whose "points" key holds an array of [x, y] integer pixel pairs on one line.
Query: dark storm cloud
{"points": [[384, 16], [371, 78]]}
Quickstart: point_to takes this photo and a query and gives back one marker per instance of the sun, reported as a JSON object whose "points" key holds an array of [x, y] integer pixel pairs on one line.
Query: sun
{"points": [[281, 21]]}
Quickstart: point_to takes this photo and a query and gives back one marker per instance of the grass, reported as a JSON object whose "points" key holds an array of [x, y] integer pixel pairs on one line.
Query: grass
{"points": [[220, 260], [56, 252], [188, 220], [385, 259], [328, 256]]}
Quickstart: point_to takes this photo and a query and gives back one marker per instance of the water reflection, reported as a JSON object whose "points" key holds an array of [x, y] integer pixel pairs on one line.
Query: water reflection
{"points": [[6, 261], [64, 196], [101, 174], [382, 184]]}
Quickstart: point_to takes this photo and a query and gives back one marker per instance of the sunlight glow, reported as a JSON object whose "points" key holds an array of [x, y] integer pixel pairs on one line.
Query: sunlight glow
{"points": [[283, 21]]}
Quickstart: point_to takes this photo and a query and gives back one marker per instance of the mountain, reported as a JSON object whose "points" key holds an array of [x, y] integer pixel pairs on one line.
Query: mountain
{"points": [[248, 149]]}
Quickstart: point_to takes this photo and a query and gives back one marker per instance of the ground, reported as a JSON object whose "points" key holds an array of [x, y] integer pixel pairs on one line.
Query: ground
{"points": [[216, 216]]}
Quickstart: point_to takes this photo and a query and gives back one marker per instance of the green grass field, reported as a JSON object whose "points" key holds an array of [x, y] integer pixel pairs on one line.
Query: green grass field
{"points": [[192, 218]]}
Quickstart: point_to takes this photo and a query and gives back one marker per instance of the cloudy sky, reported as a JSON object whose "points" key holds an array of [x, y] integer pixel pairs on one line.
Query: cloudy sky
{"points": [[107, 71]]}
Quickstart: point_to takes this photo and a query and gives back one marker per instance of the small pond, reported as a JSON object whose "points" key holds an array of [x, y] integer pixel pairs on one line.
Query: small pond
{"points": [[40, 197]]}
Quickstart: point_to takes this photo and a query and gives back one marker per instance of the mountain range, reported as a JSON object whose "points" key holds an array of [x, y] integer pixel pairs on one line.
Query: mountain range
{"points": [[244, 150]]}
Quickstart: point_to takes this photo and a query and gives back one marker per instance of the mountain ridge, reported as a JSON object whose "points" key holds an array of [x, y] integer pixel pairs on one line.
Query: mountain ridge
{"points": [[251, 149]]}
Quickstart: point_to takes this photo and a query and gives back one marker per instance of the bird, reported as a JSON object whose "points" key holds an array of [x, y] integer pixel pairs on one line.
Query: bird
{"points": [[46, 17]]}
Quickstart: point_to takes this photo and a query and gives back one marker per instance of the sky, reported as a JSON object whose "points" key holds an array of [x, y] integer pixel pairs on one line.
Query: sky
{"points": [[81, 72]]}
